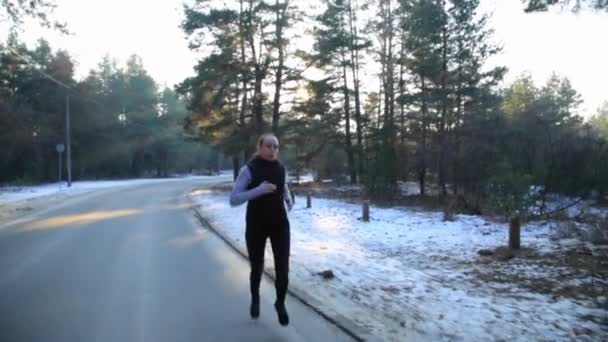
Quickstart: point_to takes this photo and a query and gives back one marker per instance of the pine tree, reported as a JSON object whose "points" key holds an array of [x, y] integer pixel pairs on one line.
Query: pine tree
{"points": [[332, 45]]}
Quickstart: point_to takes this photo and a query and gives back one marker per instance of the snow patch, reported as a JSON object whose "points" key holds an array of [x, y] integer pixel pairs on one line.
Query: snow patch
{"points": [[408, 274]]}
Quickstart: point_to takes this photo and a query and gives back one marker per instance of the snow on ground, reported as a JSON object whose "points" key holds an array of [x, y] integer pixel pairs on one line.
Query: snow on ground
{"points": [[409, 188], [408, 275], [413, 188], [303, 178], [574, 206], [19, 193]]}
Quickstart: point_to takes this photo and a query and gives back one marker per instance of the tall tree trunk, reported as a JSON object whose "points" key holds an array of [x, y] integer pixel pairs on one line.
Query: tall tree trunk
{"points": [[243, 109], [403, 160], [391, 71], [402, 92], [389, 156], [166, 165], [258, 109], [457, 128], [280, 22], [259, 75], [389, 77], [444, 103], [246, 156], [349, 148], [380, 93], [385, 67], [235, 166], [422, 156], [244, 71], [355, 71]]}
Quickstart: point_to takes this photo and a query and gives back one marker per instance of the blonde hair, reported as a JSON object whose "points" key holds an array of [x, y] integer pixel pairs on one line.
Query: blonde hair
{"points": [[265, 136]]}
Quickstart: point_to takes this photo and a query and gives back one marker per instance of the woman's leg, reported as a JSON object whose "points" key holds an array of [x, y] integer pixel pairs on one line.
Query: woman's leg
{"points": [[256, 244], [280, 242]]}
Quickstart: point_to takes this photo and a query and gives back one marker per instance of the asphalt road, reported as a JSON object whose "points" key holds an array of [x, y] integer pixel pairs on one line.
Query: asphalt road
{"points": [[132, 264]]}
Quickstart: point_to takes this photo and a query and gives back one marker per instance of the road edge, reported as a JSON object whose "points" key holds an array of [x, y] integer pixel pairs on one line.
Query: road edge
{"points": [[344, 324]]}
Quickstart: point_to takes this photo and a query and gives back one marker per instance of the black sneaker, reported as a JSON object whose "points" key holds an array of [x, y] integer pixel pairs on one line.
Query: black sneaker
{"points": [[254, 309], [282, 314]]}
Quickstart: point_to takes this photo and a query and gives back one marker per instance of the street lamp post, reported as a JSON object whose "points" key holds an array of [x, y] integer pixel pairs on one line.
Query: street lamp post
{"points": [[60, 148], [67, 140]]}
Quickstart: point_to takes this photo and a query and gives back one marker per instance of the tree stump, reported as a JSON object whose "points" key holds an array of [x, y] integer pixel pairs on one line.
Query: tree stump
{"points": [[515, 233], [365, 211]]}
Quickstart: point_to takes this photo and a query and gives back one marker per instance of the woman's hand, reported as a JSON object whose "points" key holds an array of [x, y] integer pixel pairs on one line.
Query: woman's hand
{"points": [[267, 187]]}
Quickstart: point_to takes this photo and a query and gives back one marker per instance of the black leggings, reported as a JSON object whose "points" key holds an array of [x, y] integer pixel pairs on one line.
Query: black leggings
{"points": [[256, 236]]}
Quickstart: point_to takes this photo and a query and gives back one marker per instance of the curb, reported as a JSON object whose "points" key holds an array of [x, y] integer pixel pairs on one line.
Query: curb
{"points": [[345, 325]]}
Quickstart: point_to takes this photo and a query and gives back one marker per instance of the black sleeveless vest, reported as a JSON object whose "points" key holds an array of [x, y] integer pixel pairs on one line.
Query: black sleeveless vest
{"points": [[268, 208]]}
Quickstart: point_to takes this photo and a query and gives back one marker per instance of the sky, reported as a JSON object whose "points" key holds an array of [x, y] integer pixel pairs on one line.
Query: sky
{"points": [[541, 43], [572, 45]]}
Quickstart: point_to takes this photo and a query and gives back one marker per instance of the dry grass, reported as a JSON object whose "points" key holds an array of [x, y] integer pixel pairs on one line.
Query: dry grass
{"points": [[568, 272]]}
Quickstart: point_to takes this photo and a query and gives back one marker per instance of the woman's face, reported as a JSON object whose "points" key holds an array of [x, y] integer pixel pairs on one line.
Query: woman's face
{"points": [[269, 149]]}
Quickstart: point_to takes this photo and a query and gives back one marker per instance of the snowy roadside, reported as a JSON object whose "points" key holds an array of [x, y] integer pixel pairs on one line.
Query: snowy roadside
{"points": [[408, 275], [17, 200]]}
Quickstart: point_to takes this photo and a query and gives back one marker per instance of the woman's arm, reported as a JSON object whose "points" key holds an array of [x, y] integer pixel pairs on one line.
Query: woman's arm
{"points": [[240, 194]]}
